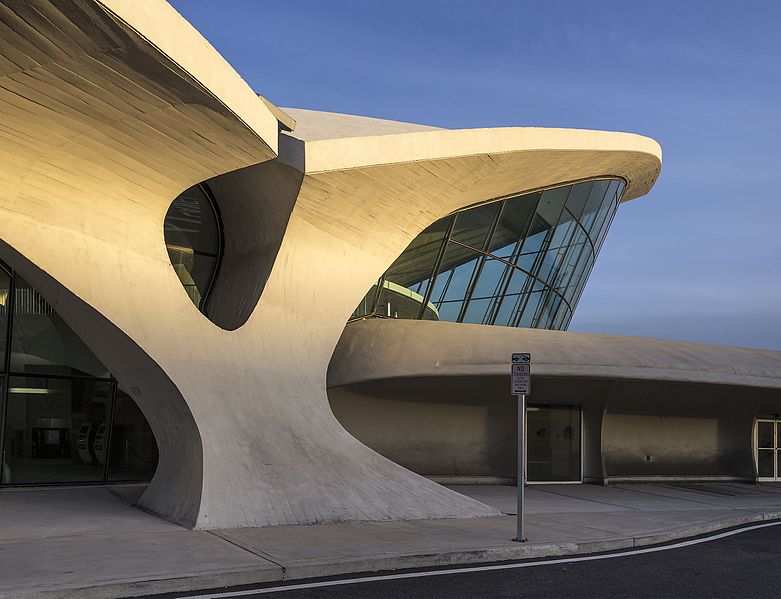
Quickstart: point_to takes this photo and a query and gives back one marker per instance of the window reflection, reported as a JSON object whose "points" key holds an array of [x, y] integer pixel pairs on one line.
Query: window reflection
{"points": [[522, 261], [513, 225], [396, 301], [56, 430], [5, 296], [454, 274], [192, 238], [61, 414], [42, 343], [598, 190], [133, 453], [473, 226], [553, 443]]}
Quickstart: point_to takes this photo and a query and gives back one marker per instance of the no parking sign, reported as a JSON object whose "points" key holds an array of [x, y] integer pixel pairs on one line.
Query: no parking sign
{"points": [[520, 374]]}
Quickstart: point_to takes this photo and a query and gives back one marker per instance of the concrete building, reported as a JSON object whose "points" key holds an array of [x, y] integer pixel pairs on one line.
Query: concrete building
{"points": [[288, 316]]}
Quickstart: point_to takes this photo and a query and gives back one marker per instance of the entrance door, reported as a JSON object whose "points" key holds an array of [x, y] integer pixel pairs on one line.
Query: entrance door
{"points": [[767, 448], [553, 444]]}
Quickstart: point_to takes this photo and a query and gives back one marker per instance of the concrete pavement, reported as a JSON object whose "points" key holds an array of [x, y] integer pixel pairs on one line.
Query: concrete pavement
{"points": [[91, 542]]}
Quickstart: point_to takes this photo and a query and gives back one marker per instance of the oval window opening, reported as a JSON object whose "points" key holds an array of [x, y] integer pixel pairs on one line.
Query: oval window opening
{"points": [[193, 238]]}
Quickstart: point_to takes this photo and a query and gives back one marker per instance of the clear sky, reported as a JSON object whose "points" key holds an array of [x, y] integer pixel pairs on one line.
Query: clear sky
{"points": [[699, 258]]}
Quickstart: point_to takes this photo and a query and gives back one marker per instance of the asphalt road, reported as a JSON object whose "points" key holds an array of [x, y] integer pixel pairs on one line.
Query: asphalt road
{"points": [[745, 565]]}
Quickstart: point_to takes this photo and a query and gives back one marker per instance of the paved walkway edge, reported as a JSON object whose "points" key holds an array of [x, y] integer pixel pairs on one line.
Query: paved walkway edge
{"points": [[136, 588]]}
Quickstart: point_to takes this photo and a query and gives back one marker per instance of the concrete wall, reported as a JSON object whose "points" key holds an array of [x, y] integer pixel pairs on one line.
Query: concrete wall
{"points": [[465, 427], [457, 349], [435, 427], [679, 430], [460, 426], [254, 204], [102, 129]]}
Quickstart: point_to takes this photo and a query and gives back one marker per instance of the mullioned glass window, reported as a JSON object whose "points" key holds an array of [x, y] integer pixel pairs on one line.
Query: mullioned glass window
{"points": [[193, 240], [63, 417], [521, 261]]}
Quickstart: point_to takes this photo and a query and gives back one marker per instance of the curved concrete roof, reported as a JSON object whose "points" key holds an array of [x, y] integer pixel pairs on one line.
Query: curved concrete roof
{"points": [[486, 163], [383, 349], [162, 27], [313, 125]]}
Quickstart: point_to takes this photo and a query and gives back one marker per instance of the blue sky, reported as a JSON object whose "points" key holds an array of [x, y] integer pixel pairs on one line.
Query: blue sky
{"points": [[699, 258]]}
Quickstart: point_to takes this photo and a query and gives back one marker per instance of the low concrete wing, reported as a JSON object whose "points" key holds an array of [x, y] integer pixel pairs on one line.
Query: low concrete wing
{"points": [[435, 397]]}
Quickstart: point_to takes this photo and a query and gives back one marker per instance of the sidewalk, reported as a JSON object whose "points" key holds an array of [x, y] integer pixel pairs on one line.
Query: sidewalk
{"points": [[90, 542]]}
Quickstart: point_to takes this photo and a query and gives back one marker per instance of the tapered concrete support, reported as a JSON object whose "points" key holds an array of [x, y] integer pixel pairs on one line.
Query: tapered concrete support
{"points": [[349, 222], [101, 136], [175, 491]]}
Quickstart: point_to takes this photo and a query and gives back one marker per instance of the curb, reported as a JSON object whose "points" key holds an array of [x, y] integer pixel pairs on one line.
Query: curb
{"points": [[318, 569]]}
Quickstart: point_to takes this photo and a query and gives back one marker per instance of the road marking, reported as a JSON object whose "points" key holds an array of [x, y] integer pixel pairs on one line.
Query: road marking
{"points": [[513, 566]]}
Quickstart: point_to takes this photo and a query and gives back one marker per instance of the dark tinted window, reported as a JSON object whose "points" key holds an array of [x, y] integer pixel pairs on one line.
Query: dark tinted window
{"points": [[62, 420], [5, 302], [56, 430], [42, 343], [192, 238], [133, 454]]}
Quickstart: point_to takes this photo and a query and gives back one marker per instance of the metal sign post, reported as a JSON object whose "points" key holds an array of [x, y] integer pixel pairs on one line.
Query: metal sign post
{"points": [[521, 387]]}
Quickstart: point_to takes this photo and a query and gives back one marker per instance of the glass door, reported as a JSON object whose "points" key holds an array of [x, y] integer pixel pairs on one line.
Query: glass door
{"points": [[553, 444], [61, 417], [768, 445]]}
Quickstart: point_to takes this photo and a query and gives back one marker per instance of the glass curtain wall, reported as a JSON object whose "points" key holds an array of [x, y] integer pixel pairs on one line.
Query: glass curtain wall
{"points": [[62, 417], [521, 261]]}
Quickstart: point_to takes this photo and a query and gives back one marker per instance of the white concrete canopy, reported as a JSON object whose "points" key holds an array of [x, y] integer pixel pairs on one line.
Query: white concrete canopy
{"points": [[380, 349]]}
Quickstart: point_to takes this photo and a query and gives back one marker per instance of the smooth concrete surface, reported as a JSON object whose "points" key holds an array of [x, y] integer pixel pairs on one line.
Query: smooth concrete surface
{"points": [[277, 437], [35, 513], [656, 428], [312, 125], [489, 163], [56, 539], [465, 426], [86, 542], [373, 349], [255, 204], [163, 28], [462, 426]]}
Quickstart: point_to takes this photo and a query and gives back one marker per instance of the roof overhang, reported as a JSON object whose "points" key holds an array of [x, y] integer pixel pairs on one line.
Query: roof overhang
{"points": [[377, 349]]}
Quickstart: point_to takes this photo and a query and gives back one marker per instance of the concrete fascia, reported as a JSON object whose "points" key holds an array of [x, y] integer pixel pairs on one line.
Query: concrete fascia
{"points": [[635, 158], [375, 349], [164, 28]]}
